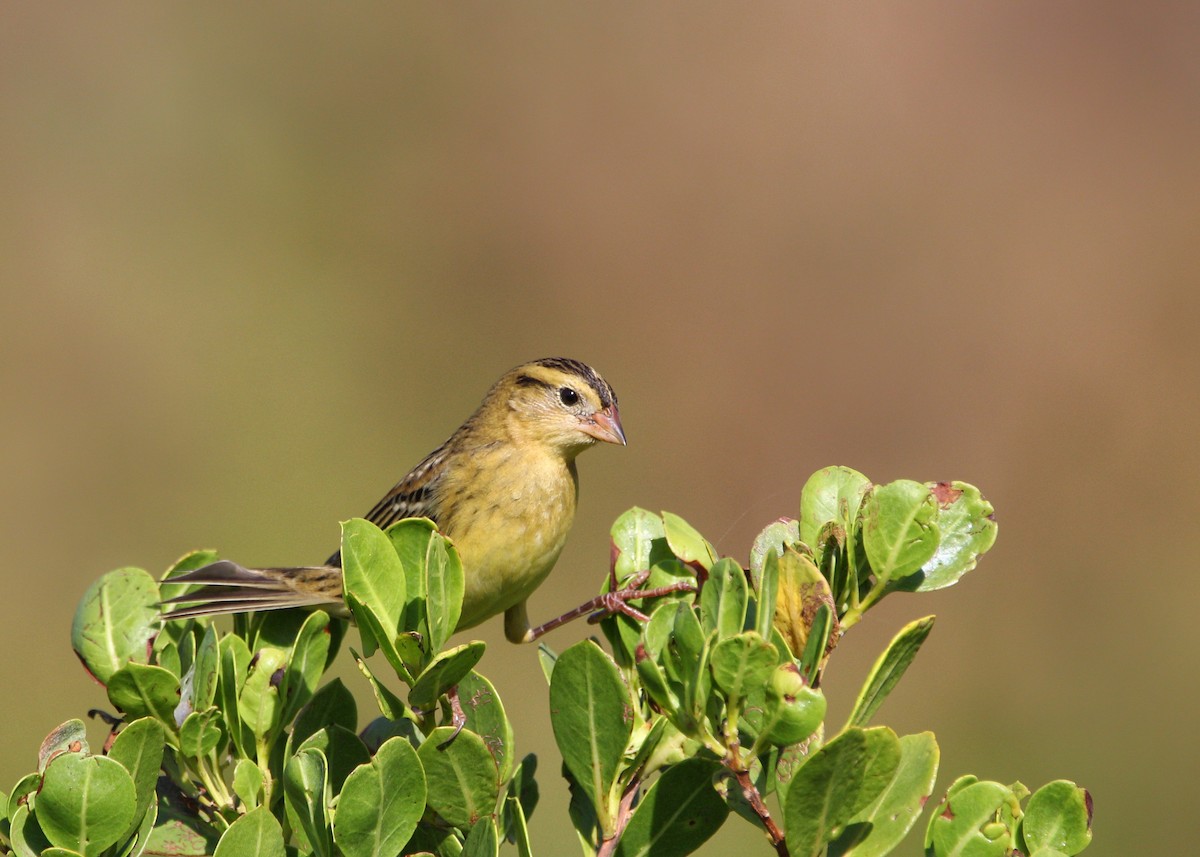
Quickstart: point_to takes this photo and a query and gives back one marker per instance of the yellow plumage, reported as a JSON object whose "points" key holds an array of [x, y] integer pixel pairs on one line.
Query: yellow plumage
{"points": [[503, 488]]}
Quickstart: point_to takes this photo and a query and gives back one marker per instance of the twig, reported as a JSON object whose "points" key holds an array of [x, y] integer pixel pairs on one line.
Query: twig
{"points": [[760, 809], [609, 846]]}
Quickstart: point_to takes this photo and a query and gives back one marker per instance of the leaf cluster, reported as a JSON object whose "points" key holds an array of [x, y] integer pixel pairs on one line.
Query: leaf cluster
{"points": [[710, 704]]}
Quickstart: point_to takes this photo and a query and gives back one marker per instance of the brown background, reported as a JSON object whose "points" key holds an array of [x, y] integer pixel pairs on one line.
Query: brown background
{"points": [[255, 263]]}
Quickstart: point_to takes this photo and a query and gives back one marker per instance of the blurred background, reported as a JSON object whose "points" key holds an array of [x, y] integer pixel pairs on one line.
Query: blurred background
{"points": [[256, 261]]}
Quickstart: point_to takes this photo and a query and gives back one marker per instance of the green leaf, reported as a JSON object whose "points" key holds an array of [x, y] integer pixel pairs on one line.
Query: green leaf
{"points": [[306, 664], [831, 495], [259, 704], [900, 531], [276, 628], [686, 543], [788, 760], [462, 777], [664, 746], [523, 785], [547, 659], [139, 690], [582, 813], [688, 639], [817, 644], [390, 705], [255, 833], [179, 832], [775, 536], [206, 671], [410, 539], [306, 792], [633, 535], [768, 595], [968, 531], [443, 672], [136, 843], [966, 823], [191, 561], [880, 827], [167, 654], [686, 662], [343, 750], [248, 782], [624, 632], [381, 729], [332, 704], [445, 585], [115, 622], [679, 813], [656, 633], [667, 695], [486, 718], [1059, 817], [592, 717], [723, 600], [25, 835], [519, 831], [381, 803], [482, 841], [139, 749], [70, 737], [835, 784], [430, 841], [201, 733], [889, 669], [26, 788], [374, 584], [235, 663], [86, 803], [741, 664]]}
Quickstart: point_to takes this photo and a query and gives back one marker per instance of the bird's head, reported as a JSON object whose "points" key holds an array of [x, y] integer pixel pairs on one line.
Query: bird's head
{"points": [[559, 402]]}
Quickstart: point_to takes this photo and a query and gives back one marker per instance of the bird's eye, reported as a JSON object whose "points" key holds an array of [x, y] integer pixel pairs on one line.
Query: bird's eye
{"points": [[567, 396]]}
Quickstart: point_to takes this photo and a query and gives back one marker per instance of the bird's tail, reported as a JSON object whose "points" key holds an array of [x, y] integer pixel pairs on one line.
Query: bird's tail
{"points": [[226, 587]]}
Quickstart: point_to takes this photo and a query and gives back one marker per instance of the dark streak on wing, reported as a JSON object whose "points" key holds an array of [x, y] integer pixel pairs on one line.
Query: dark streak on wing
{"points": [[411, 497]]}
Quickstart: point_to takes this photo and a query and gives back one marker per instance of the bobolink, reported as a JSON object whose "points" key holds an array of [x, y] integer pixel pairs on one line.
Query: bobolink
{"points": [[503, 488]]}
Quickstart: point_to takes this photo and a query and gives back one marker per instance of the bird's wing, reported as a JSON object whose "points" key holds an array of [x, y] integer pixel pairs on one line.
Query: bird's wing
{"points": [[414, 496]]}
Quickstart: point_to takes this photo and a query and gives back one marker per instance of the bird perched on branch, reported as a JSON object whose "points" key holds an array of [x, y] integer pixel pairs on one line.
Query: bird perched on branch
{"points": [[503, 488]]}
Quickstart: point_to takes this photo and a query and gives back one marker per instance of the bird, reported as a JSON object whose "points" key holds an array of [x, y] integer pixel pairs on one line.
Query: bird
{"points": [[503, 488]]}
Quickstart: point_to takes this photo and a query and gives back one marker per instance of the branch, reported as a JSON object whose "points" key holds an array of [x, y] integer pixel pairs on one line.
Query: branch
{"points": [[609, 846], [750, 793]]}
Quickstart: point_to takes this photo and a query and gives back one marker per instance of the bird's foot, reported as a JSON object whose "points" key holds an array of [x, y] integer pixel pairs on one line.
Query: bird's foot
{"points": [[616, 600]]}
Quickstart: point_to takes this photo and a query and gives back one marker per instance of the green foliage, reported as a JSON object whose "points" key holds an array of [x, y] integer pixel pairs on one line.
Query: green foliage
{"points": [[229, 743]]}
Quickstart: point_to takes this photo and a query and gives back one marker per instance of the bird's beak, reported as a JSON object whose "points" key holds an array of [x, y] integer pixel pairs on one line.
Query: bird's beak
{"points": [[604, 425]]}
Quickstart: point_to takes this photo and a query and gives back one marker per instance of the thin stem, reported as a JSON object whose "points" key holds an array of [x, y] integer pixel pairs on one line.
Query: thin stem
{"points": [[217, 782], [855, 613], [608, 847], [774, 834]]}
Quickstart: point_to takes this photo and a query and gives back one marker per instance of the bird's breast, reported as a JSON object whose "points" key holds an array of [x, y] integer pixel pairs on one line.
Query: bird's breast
{"points": [[511, 532]]}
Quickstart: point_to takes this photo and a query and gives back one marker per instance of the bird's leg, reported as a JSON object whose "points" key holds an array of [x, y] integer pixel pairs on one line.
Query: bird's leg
{"points": [[518, 630], [458, 718]]}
